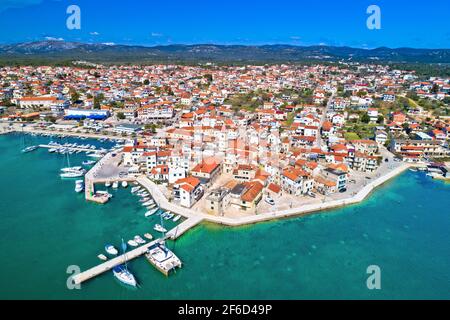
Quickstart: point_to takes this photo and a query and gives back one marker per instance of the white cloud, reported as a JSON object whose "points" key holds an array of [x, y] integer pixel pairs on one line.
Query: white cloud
{"points": [[54, 39], [108, 43], [157, 34], [95, 33]]}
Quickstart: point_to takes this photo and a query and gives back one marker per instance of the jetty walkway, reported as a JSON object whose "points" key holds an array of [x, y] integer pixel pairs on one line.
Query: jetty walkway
{"points": [[110, 264]]}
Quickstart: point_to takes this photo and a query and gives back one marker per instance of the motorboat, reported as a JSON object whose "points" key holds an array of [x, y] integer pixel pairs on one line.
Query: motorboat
{"points": [[107, 184], [88, 162], [102, 257], [124, 275], [124, 184], [115, 185], [169, 216], [148, 236], [104, 193], [79, 186], [135, 189], [72, 169], [163, 215], [177, 217], [109, 248], [151, 212], [132, 243], [95, 155], [144, 199], [148, 203], [139, 240], [159, 228]]}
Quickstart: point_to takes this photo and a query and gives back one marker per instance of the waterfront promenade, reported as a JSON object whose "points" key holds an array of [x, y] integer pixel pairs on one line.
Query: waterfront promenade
{"points": [[162, 201], [6, 128]]}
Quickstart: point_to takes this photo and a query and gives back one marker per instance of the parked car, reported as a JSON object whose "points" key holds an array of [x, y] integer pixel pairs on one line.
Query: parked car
{"points": [[270, 201], [342, 190]]}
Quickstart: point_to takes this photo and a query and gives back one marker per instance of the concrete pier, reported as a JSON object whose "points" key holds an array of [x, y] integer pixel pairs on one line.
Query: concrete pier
{"points": [[58, 147], [110, 264]]}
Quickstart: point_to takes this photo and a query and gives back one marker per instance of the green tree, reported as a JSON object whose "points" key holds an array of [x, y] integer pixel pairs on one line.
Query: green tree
{"points": [[74, 95], [365, 118], [380, 119], [120, 115]]}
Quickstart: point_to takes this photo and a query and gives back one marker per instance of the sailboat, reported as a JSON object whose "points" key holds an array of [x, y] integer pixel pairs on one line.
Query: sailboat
{"points": [[160, 227], [72, 172], [122, 273], [27, 149]]}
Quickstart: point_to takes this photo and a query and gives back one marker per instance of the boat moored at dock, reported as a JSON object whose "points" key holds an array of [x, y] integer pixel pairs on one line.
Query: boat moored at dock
{"points": [[79, 186], [111, 250], [159, 228], [162, 258], [122, 274]]}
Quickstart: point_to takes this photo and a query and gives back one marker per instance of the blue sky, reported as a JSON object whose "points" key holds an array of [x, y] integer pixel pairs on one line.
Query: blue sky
{"points": [[404, 23]]}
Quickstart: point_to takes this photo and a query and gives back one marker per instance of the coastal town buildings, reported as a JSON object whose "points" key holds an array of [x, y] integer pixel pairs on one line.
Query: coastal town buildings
{"points": [[230, 140]]}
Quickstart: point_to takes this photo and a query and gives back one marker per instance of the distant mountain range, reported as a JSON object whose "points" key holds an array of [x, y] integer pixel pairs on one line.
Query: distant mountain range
{"points": [[110, 53]]}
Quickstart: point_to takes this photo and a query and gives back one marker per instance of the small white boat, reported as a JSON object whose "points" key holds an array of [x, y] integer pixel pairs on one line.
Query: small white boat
{"points": [[111, 250], [115, 185], [132, 243], [79, 186], [139, 240], [107, 184], [95, 155], [124, 184], [169, 216], [159, 228], [152, 206], [104, 193], [135, 189], [144, 199], [72, 169], [88, 162], [177, 217], [148, 236], [102, 257], [151, 212], [148, 203]]}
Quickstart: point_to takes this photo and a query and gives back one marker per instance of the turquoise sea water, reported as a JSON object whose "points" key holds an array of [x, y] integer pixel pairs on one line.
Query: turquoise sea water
{"points": [[404, 228]]}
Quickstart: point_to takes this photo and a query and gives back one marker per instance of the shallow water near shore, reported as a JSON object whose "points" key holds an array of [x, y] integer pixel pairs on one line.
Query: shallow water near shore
{"points": [[403, 227]]}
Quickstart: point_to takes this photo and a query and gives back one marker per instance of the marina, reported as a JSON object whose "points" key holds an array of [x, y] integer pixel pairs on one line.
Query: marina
{"points": [[156, 259]]}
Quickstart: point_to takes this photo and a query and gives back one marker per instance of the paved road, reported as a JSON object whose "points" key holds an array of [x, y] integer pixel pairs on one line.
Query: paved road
{"points": [[319, 140]]}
